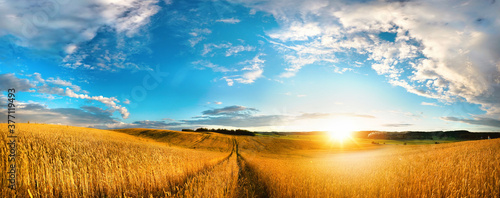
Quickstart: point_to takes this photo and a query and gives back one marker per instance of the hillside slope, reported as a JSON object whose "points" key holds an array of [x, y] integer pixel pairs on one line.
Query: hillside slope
{"points": [[65, 161]]}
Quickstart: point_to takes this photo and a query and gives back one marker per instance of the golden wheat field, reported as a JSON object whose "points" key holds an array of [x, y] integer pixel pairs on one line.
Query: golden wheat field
{"points": [[65, 161]]}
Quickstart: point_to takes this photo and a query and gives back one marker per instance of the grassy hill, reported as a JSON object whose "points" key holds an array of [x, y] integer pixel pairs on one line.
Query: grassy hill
{"points": [[65, 161]]}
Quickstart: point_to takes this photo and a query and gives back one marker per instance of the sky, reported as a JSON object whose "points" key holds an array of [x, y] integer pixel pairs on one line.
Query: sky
{"points": [[280, 65]]}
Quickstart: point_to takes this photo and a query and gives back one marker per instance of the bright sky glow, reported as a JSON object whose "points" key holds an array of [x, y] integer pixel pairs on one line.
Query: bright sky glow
{"points": [[276, 65]]}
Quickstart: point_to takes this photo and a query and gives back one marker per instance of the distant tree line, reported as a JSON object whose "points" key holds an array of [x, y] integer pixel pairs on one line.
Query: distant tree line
{"points": [[430, 135], [222, 131]]}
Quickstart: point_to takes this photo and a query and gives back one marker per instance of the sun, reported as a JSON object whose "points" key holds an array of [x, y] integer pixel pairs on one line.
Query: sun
{"points": [[341, 129]]}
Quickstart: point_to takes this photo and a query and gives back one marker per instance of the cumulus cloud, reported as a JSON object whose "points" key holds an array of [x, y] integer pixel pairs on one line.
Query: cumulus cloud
{"points": [[85, 116], [448, 50], [56, 86], [9, 81], [108, 101], [65, 29], [48, 23]]}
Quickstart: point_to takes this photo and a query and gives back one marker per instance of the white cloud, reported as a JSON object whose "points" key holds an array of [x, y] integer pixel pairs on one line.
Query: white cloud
{"points": [[229, 81], [198, 34], [110, 102], [38, 113], [207, 64], [297, 32], [230, 20], [57, 23], [56, 86], [70, 48], [448, 50], [429, 104], [230, 48], [10, 81], [252, 71], [237, 49]]}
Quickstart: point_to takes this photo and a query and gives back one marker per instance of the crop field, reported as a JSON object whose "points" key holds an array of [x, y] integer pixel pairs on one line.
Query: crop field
{"points": [[64, 161]]}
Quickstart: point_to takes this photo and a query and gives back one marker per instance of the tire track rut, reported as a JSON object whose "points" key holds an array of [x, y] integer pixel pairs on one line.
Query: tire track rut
{"points": [[178, 187], [249, 184]]}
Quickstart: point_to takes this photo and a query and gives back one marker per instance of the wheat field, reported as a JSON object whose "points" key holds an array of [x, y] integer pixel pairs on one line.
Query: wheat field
{"points": [[65, 161], [464, 169], [61, 161]]}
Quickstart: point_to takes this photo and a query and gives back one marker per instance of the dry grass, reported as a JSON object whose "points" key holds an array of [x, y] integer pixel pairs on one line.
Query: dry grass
{"points": [[465, 169], [194, 140], [60, 161], [218, 182]]}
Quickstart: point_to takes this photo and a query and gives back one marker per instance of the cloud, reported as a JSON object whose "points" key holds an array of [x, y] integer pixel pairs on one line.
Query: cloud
{"points": [[108, 101], [49, 23], [215, 68], [253, 121], [154, 124], [9, 81], [429, 104], [230, 48], [218, 103], [56, 22], [331, 115], [198, 34], [452, 57], [63, 83], [235, 116], [230, 110], [237, 49], [252, 71], [397, 125], [241, 116], [70, 48], [315, 116], [476, 121], [229, 20], [85, 116], [68, 29], [109, 53], [297, 32], [56, 86]]}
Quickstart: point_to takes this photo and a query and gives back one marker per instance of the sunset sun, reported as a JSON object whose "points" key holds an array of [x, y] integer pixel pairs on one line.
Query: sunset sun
{"points": [[341, 129]]}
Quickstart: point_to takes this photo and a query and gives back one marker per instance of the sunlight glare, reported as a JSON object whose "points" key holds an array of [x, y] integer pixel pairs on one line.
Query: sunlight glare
{"points": [[341, 129]]}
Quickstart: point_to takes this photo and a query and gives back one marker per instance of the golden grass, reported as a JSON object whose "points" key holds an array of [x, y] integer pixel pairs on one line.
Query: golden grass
{"points": [[60, 161], [465, 169], [218, 182], [194, 140]]}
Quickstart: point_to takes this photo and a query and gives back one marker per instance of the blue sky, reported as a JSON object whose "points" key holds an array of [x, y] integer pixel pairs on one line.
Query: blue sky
{"points": [[258, 65]]}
